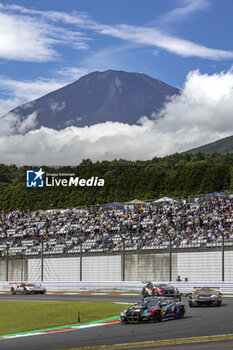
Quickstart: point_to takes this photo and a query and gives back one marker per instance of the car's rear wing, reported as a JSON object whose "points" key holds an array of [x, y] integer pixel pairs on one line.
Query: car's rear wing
{"points": [[207, 287]]}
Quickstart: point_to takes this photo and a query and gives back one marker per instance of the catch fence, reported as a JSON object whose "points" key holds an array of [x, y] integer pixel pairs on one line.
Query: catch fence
{"points": [[195, 261]]}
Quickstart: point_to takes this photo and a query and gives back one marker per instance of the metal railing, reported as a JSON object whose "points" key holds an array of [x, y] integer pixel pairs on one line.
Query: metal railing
{"points": [[165, 262]]}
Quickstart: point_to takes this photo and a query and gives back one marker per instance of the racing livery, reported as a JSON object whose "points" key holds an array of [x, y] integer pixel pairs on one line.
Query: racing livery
{"points": [[160, 289], [205, 296], [27, 288], [153, 309]]}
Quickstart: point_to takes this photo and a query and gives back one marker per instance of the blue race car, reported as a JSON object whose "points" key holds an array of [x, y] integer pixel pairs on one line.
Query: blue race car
{"points": [[153, 309]]}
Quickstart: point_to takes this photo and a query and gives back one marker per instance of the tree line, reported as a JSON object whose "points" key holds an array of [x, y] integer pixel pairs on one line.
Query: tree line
{"points": [[177, 175]]}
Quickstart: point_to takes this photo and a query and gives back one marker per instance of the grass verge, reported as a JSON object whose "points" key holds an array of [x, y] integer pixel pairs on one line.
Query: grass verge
{"points": [[19, 316]]}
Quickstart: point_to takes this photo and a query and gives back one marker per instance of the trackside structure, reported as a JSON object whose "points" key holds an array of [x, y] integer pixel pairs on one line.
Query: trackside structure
{"points": [[168, 263]]}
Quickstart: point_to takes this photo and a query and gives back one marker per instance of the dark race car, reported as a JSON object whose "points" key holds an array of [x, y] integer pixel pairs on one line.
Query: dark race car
{"points": [[153, 309], [27, 288], [160, 289], [205, 296]]}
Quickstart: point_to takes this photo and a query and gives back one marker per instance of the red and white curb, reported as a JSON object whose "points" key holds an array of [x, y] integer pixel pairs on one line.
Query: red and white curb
{"points": [[52, 331]]}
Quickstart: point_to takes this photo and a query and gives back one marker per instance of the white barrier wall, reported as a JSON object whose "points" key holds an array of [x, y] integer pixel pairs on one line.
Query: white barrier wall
{"points": [[199, 266], [55, 269], [204, 266], [190, 265], [94, 268], [228, 265], [102, 268]]}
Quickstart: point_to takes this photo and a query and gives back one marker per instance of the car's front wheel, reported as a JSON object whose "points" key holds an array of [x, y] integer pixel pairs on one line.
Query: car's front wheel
{"points": [[156, 317], [182, 312]]}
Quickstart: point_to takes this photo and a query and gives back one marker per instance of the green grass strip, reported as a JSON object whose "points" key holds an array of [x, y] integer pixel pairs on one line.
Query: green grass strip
{"points": [[26, 316], [61, 327]]}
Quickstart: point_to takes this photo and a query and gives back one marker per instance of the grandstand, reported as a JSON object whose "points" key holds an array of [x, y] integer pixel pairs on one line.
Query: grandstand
{"points": [[199, 224], [149, 228]]}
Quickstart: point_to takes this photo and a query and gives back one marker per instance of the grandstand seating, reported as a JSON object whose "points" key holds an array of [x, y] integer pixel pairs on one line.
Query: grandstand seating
{"points": [[192, 225]]}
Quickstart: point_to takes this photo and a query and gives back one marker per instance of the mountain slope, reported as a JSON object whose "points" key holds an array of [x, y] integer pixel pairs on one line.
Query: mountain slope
{"points": [[221, 146], [99, 97]]}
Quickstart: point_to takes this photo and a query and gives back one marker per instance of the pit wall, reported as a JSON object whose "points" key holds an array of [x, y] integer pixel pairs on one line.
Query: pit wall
{"points": [[193, 266]]}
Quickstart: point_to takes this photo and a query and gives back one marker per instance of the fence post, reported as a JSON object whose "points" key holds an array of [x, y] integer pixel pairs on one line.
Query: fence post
{"points": [[170, 258], [223, 261], [81, 261], [123, 257], [22, 267], [7, 262], [42, 260]]}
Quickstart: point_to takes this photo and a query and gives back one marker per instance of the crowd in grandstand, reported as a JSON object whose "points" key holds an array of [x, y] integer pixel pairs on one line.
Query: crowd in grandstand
{"points": [[104, 229]]}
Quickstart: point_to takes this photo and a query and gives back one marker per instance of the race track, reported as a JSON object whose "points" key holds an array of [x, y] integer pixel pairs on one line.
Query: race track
{"points": [[197, 322]]}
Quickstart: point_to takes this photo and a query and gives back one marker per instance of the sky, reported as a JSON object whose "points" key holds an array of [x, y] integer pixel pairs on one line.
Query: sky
{"points": [[185, 43]]}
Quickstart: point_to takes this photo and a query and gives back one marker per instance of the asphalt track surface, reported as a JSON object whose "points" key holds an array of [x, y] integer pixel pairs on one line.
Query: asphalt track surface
{"points": [[200, 321]]}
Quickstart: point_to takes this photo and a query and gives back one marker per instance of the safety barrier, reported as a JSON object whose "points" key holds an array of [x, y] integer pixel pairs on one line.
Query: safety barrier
{"points": [[126, 286]]}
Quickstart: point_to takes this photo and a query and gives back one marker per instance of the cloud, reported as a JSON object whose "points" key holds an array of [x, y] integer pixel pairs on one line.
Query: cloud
{"points": [[56, 107], [12, 124], [8, 104], [182, 13], [28, 35], [31, 89], [201, 114], [34, 35], [21, 92], [73, 73], [156, 38], [23, 39]]}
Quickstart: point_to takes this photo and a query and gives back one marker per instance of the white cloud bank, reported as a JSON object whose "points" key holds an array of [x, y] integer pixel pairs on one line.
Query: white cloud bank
{"points": [[26, 37], [201, 114], [156, 38], [35, 36]]}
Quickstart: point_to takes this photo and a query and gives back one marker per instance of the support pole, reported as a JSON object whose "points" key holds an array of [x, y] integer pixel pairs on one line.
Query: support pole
{"points": [[223, 261], [42, 261], [22, 261], [81, 261], [123, 256], [7, 262], [170, 258], [123, 261]]}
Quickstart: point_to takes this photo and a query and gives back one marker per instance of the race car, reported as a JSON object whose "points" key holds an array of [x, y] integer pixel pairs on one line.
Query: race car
{"points": [[160, 289], [205, 296], [153, 309], [27, 288]]}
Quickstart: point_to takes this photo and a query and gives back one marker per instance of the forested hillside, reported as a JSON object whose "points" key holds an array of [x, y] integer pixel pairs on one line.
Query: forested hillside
{"points": [[174, 175]]}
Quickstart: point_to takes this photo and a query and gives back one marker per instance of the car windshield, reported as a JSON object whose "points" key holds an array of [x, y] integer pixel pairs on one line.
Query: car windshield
{"points": [[163, 285], [148, 303], [205, 291], [30, 285]]}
